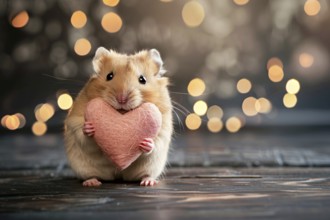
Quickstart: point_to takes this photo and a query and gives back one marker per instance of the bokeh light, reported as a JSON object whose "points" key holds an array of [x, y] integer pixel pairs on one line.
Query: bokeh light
{"points": [[249, 106], [263, 105], [3, 120], [306, 60], [64, 101], [214, 125], [111, 22], [196, 87], [274, 61], [200, 107], [12, 122], [244, 86], [44, 112], [193, 14], [111, 3], [241, 2], [78, 19], [214, 111], [20, 20], [312, 7], [82, 47], [290, 100], [22, 120], [39, 128], [275, 73], [193, 121], [292, 86], [233, 124]]}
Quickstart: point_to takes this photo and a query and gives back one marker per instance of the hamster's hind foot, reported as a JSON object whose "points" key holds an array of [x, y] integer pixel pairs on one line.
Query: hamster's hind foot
{"points": [[92, 182], [148, 181]]}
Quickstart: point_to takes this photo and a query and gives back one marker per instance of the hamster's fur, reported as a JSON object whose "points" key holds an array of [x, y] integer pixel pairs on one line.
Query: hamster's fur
{"points": [[124, 90]]}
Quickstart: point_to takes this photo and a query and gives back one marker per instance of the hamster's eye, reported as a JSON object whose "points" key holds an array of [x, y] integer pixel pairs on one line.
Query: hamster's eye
{"points": [[110, 76], [142, 80]]}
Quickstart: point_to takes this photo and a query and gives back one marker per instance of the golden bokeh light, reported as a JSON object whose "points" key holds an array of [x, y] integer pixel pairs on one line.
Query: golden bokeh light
{"points": [[200, 107], [312, 7], [290, 100], [12, 122], [306, 60], [78, 19], [111, 3], [214, 112], [20, 20], [196, 87], [22, 120], [82, 47], [292, 86], [244, 86], [241, 2], [44, 112], [39, 128], [65, 101], [193, 121], [274, 61], [193, 14], [111, 22], [233, 124], [214, 125], [3, 120], [263, 105], [275, 73], [249, 106]]}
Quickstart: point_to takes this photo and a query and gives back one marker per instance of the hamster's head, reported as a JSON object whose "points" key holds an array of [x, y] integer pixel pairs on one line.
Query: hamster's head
{"points": [[127, 81]]}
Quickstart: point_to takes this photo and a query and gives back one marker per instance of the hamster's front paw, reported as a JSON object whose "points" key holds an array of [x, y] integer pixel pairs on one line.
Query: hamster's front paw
{"points": [[148, 181], [88, 128], [92, 182], [147, 145]]}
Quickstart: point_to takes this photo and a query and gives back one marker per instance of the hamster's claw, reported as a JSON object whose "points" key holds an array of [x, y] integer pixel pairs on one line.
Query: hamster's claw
{"points": [[147, 145], [92, 182], [148, 181], [88, 129]]}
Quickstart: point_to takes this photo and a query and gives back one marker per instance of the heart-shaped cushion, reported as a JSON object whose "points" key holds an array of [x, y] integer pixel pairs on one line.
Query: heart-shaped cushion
{"points": [[119, 135]]}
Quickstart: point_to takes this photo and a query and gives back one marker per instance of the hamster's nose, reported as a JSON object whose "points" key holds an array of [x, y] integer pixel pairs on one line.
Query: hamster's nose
{"points": [[122, 99]]}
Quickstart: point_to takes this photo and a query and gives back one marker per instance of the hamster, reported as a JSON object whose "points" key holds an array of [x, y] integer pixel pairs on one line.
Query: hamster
{"points": [[124, 82]]}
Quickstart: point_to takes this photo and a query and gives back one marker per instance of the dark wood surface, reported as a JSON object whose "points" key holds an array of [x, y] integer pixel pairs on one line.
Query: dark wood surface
{"points": [[252, 175]]}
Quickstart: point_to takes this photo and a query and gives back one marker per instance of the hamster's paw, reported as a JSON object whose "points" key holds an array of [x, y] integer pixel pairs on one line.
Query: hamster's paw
{"points": [[88, 128], [147, 145], [92, 182], [148, 181]]}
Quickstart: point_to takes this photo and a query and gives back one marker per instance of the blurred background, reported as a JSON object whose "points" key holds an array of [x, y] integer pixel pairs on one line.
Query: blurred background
{"points": [[233, 64]]}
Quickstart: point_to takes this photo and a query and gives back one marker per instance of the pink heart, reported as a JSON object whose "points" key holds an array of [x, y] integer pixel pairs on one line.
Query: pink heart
{"points": [[119, 135]]}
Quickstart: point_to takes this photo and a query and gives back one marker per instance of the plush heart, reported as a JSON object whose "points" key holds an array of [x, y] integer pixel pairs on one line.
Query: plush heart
{"points": [[119, 135]]}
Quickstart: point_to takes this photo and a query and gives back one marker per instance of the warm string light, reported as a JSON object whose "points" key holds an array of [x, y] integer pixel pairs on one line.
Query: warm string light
{"points": [[82, 47], [39, 128], [20, 20], [200, 108], [111, 22], [78, 19], [233, 124], [65, 101], [241, 2], [244, 86], [306, 60], [196, 87], [13, 122], [111, 3], [193, 121], [193, 14], [290, 100], [312, 7]]}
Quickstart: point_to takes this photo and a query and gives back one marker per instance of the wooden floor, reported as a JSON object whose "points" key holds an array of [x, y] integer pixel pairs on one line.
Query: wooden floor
{"points": [[35, 182]]}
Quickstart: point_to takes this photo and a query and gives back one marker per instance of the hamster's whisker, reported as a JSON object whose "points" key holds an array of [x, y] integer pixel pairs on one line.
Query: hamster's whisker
{"points": [[179, 120], [64, 79], [178, 106], [179, 93]]}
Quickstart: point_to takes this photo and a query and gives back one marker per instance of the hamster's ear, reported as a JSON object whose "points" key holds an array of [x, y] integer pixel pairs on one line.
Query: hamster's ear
{"points": [[100, 53], [155, 56]]}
